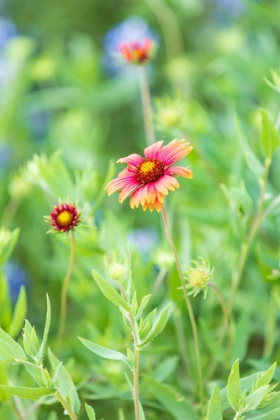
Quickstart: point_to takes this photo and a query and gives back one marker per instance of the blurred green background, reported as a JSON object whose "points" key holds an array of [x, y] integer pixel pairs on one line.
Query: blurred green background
{"points": [[60, 89]]}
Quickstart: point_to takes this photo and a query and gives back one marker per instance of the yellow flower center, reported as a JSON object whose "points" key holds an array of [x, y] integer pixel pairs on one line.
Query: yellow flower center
{"points": [[65, 218], [149, 170]]}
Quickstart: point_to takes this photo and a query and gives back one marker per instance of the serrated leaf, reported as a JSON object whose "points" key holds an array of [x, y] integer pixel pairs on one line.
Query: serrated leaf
{"points": [[10, 350], [270, 137], [158, 326], [254, 399], [109, 292], [233, 387], [19, 313], [103, 351], [214, 411], [40, 354], [65, 384], [90, 412], [28, 393]]}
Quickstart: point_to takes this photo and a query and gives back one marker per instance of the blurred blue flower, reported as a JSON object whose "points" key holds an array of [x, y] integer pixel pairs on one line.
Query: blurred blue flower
{"points": [[8, 30], [145, 240], [133, 29], [16, 277]]}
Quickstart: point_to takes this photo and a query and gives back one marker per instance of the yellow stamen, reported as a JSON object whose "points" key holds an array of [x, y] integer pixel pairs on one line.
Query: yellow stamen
{"points": [[65, 218], [147, 166]]}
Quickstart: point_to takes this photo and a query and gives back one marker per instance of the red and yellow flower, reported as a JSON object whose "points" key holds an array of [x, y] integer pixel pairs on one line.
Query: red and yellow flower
{"points": [[147, 180], [136, 52], [64, 217]]}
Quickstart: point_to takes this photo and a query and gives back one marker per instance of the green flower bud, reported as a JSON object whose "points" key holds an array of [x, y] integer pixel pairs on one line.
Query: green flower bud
{"points": [[117, 272], [198, 276]]}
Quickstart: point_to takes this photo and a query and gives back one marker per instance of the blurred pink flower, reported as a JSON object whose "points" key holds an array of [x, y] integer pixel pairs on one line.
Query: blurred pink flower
{"points": [[136, 52], [147, 180]]}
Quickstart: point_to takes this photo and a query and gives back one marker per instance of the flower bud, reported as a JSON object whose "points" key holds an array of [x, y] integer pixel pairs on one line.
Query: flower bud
{"points": [[117, 272], [198, 276]]}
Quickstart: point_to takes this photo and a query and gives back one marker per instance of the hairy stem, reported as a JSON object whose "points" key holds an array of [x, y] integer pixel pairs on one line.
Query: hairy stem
{"points": [[63, 297], [189, 306], [65, 405], [146, 105]]}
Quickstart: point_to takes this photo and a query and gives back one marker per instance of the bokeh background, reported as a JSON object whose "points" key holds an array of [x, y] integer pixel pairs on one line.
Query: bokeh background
{"points": [[62, 88]]}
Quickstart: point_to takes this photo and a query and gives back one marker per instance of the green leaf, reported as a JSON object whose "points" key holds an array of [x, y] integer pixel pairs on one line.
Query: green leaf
{"points": [[37, 374], [8, 241], [109, 292], [214, 411], [252, 161], [90, 412], [104, 352], [267, 376], [177, 405], [10, 350], [242, 335], [19, 313], [270, 137], [30, 340], [5, 303], [271, 411], [65, 384], [233, 387], [254, 399], [3, 381], [158, 326], [46, 332], [28, 393], [143, 305]]}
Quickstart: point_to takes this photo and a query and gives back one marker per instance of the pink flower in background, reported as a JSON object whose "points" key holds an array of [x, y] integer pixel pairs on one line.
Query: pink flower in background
{"points": [[147, 180], [136, 52]]}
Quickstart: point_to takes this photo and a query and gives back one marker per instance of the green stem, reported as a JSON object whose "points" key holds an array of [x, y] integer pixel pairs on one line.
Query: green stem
{"points": [[225, 312], [146, 105], [189, 306], [65, 405], [63, 297], [136, 360], [251, 235]]}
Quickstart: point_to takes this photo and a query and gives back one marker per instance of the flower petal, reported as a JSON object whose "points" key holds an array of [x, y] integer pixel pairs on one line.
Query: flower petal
{"points": [[132, 160], [153, 150], [130, 186], [179, 170], [118, 184], [174, 151]]}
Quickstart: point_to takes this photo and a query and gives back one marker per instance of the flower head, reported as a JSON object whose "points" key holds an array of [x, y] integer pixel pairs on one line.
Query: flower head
{"points": [[198, 276], [64, 217], [136, 52], [131, 32], [147, 180]]}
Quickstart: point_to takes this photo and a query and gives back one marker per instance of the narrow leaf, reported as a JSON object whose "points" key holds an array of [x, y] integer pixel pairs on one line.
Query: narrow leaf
{"points": [[214, 411], [46, 331], [110, 292], [104, 352], [233, 387], [19, 313], [254, 399], [28, 393], [267, 376]]}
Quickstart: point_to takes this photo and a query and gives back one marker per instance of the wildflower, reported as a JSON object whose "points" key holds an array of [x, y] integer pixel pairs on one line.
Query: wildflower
{"points": [[136, 52], [117, 271], [198, 277], [147, 180], [133, 30], [64, 217]]}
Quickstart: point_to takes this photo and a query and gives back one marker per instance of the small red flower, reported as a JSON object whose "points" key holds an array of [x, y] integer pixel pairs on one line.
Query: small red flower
{"points": [[64, 217], [136, 52]]}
